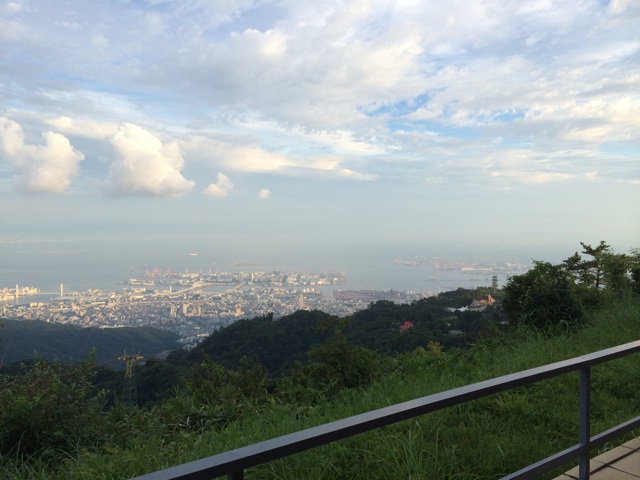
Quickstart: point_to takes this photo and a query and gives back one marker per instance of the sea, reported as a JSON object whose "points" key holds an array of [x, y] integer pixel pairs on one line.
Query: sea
{"points": [[82, 265]]}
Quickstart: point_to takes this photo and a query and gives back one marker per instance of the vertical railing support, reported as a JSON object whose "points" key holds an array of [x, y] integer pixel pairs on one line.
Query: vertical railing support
{"points": [[585, 422], [239, 475]]}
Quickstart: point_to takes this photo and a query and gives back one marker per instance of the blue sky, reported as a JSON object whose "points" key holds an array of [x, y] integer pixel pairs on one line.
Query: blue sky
{"points": [[305, 126]]}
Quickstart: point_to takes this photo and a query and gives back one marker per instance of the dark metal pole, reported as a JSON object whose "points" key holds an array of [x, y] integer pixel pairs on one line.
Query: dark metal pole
{"points": [[585, 421]]}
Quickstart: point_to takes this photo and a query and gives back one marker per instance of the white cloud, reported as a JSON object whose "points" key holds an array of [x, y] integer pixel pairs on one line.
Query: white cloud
{"points": [[619, 7], [221, 188], [14, 7], [11, 30], [345, 172], [99, 41], [146, 166], [69, 25], [231, 154], [618, 120], [417, 90], [45, 168], [82, 127], [255, 159], [412, 95], [533, 178], [264, 194], [342, 142]]}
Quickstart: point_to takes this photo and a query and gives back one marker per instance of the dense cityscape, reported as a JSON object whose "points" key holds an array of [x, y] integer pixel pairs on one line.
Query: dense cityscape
{"points": [[195, 304]]}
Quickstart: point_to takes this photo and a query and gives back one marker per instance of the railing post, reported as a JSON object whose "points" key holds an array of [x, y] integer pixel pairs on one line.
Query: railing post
{"points": [[239, 475], [585, 422]]}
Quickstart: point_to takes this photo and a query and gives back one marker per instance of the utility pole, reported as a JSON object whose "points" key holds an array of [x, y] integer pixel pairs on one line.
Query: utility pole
{"points": [[129, 393]]}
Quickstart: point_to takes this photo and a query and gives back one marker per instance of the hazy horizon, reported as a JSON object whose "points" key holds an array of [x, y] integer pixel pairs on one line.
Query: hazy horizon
{"points": [[85, 264]]}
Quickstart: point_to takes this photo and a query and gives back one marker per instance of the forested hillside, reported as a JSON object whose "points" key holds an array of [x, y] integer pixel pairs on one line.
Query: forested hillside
{"points": [[22, 340], [277, 344]]}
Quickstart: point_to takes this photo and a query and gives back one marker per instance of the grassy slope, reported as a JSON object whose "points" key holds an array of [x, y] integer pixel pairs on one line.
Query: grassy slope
{"points": [[483, 439]]}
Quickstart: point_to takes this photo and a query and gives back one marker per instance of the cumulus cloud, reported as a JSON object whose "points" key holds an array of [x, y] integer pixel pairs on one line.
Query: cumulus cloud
{"points": [[221, 188], [45, 168], [82, 127], [264, 194], [146, 166]]}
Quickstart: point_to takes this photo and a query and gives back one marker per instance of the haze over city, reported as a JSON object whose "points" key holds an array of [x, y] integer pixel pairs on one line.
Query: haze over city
{"points": [[316, 134]]}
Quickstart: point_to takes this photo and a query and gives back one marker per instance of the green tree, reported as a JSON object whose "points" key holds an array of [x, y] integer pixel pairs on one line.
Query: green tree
{"points": [[615, 274], [604, 275], [634, 269], [544, 297], [594, 268], [589, 272], [1, 354]]}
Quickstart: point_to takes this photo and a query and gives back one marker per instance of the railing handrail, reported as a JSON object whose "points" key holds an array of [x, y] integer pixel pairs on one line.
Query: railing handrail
{"points": [[234, 462]]}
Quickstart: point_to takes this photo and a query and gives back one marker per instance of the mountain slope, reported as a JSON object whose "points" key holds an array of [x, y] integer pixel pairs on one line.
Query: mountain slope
{"points": [[21, 340]]}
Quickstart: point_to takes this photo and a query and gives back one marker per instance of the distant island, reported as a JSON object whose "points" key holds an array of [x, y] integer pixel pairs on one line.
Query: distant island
{"points": [[248, 263], [437, 263]]}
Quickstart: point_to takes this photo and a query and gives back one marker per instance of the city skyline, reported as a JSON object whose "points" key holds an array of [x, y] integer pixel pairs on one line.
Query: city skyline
{"points": [[268, 129]]}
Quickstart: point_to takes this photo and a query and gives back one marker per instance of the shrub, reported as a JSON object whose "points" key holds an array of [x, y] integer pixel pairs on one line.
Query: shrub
{"points": [[48, 407]]}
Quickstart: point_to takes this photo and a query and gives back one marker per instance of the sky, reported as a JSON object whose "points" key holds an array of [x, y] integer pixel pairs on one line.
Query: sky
{"points": [[315, 129]]}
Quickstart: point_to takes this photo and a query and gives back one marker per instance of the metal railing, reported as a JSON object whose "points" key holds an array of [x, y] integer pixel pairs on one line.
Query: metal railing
{"points": [[234, 462]]}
